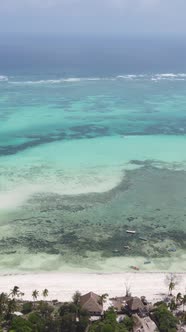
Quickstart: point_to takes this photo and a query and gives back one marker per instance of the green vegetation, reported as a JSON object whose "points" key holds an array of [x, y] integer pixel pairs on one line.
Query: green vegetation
{"points": [[21, 325], [41, 316], [164, 319], [27, 307], [109, 324], [17, 315]]}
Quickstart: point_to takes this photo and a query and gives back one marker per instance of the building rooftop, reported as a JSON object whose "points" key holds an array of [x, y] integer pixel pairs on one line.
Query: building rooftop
{"points": [[134, 304], [91, 302]]}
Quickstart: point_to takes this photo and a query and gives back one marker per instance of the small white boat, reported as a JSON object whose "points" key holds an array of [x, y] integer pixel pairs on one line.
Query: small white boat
{"points": [[130, 232]]}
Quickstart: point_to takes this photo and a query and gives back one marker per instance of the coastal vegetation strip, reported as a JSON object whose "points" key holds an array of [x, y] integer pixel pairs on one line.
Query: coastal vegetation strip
{"points": [[88, 313]]}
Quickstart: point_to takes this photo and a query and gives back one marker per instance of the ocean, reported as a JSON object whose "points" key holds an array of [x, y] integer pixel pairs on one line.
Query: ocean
{"points": [[92, 144]]}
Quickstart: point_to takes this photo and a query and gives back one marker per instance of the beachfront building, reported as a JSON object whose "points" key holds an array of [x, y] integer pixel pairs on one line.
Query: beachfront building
{"points": [[135, 306], [119, 303], [131, 305], [92, 303]]}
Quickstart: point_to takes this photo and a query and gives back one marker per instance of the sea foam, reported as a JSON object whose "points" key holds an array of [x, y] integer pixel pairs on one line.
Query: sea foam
{"points": [[122, 77], [3, 78]]}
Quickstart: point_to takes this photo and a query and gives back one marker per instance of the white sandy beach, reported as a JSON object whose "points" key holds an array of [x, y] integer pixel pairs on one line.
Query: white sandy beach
{"points": [[62, 286]]}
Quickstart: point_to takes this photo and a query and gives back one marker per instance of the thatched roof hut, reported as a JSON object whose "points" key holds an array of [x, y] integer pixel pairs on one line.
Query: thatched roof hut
{"points": [[92, 303], [119, 302], [135, 304]]}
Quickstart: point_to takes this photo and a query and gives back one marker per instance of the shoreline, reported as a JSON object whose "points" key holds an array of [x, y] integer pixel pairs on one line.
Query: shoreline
{"points": [[19, 264], [4, 274], [62, 286]]}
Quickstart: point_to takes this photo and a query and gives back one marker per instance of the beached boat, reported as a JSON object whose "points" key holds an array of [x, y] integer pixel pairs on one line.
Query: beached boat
{"points": [[135, 268], [172, 249], [130, 232], [142, 239]]}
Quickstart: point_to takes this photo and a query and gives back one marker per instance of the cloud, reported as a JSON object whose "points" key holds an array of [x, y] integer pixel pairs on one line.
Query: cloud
{"points": [[89, 16], [10, 5]]}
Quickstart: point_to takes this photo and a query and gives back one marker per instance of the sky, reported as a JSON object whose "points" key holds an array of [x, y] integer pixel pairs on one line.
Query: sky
{"points": [[93, 17]]}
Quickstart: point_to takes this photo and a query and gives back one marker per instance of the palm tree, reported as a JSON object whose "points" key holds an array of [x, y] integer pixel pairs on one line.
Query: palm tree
{"points": [[172, 280], [15, 292], [11, 307], [3, 303], [103, 298], [45, 293], [179, 298], [127, 289], [76, 298], [171, 287], [173, 305], [35, 294]]}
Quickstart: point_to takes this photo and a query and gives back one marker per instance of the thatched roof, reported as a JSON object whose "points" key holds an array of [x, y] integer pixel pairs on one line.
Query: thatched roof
{"points": [[134, 304], [91, 302], [119, 302]]}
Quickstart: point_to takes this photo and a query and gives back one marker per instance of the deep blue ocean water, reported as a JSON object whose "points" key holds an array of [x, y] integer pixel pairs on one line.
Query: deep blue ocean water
{"points": [[72, 56]]}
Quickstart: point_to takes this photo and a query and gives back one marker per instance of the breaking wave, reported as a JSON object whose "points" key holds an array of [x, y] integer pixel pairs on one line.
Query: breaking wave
{"points": [[129, 77], [170, 76], [63, 80], [3, 78]]}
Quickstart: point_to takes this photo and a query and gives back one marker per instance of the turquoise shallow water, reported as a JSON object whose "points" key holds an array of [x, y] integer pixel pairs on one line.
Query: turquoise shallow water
{"points": [[84, 159]]}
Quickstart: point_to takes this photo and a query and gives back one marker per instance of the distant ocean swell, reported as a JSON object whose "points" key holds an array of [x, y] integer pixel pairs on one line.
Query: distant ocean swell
{"points": [[3, 78], [152, 77]]}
